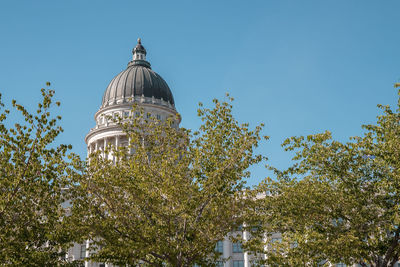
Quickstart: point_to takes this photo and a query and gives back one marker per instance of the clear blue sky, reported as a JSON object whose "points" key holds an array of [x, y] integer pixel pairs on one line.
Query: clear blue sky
{"points": [[300, 67]]}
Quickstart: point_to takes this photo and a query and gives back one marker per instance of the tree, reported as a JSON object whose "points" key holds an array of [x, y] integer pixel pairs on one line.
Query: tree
{"points": [[170, 201], [339, 201], [33, 174]]}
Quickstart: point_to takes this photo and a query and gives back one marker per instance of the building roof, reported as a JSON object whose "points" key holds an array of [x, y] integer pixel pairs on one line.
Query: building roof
{"points": [[138, 79]]}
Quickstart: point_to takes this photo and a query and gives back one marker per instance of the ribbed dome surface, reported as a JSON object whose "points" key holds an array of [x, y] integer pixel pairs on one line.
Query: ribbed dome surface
{"points": [[137, 80]]}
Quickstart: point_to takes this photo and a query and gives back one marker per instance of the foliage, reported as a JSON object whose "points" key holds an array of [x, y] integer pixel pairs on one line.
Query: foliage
{"points": [[169, 201], [33, 174], [339, 201]]}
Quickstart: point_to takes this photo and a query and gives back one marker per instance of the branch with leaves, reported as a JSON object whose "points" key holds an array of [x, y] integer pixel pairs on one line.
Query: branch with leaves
{"points": [[338, 201], [175, 196], [33, 178]]}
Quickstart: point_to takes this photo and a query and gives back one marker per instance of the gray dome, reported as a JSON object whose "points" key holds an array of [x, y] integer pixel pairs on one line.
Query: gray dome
{"points": [[137, 80]]}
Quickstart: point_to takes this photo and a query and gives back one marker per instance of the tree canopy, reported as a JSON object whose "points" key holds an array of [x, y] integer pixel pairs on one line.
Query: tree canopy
{"points": [[33, 176], [339, 201], [169, 195], [172, 194]]}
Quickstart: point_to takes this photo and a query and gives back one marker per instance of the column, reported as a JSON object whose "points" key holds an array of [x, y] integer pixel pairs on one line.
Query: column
{"points": [[115, 145], [117, 141], [90, 150], [265, 241], [67, 255], [104, 148], [227, 251], [246, 254], [87, 264]]}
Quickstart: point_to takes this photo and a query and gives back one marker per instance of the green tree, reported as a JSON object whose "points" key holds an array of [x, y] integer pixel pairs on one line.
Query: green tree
{"points": [[33, 173], [339, 201], [174, 197]]}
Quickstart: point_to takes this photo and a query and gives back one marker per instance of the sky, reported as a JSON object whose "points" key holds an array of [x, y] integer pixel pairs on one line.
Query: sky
{"points": [[299, 67]]}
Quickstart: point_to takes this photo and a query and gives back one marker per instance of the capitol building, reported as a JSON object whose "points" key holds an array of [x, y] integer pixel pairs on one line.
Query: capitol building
{"points": [[139, 84]]}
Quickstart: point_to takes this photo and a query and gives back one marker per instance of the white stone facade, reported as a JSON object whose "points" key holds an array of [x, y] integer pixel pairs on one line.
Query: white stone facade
{"points": [[108, 132]]}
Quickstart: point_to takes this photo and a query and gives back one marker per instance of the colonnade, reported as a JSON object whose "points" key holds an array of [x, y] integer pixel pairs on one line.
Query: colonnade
{"points": [[102, 143]]}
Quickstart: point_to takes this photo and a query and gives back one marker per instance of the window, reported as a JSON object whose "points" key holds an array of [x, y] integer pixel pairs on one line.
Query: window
{"points": [[83, 251], [237, 247], [238, 263], [220, 264], [148, 115], [340, 265], [126, 114], [137, 114], [273, 240], [219, 247], [158, 117]]}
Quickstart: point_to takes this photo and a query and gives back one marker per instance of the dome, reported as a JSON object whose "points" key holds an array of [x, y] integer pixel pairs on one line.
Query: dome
{"points": [[137, 80]]}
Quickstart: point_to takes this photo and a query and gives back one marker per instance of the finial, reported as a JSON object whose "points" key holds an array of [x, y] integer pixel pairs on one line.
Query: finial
{"points": [[139, 41]]}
